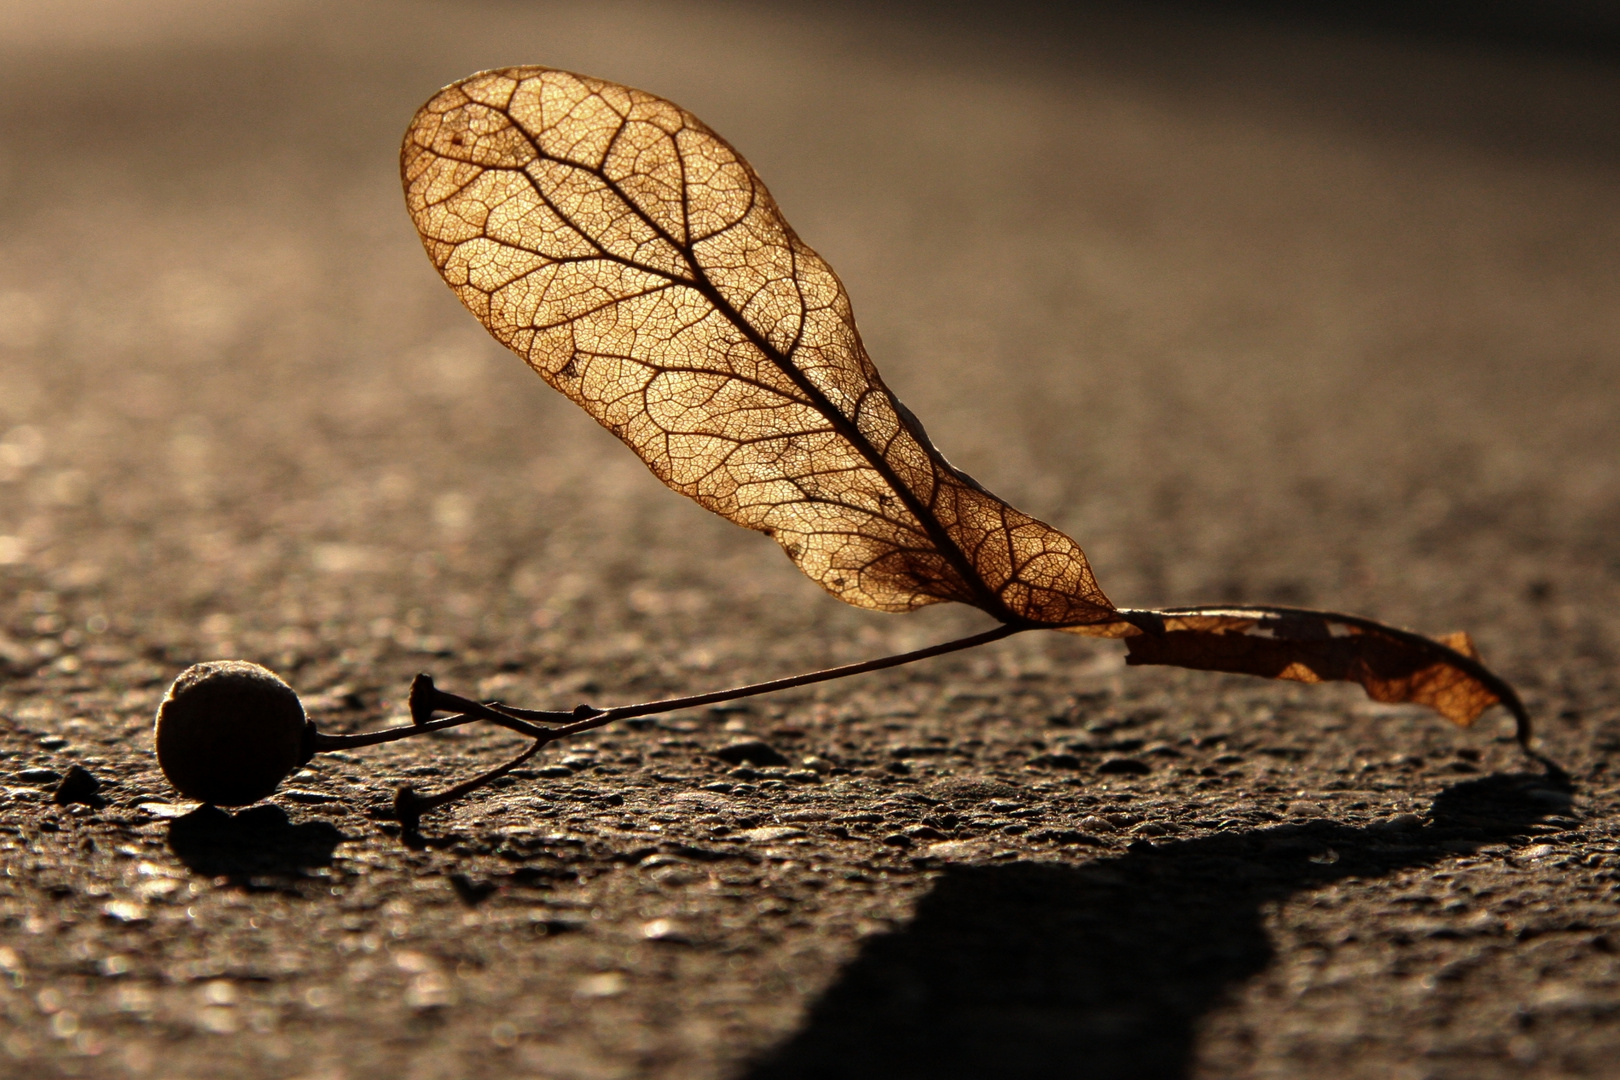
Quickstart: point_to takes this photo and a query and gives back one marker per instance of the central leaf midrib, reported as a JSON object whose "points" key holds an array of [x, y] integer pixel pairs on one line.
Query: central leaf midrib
{"points": [[987, 598], [925, 518]]}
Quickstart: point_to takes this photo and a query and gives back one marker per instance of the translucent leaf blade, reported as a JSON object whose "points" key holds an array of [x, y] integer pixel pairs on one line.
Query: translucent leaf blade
{"points": [[638, 264]]}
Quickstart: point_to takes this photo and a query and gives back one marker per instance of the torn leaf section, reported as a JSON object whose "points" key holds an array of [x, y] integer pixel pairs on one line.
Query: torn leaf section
{"points": [[1392, 665]]}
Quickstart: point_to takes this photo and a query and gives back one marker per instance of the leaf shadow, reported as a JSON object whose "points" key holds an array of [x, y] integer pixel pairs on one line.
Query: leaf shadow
{"points": [[1106, 970], [258, 847]]}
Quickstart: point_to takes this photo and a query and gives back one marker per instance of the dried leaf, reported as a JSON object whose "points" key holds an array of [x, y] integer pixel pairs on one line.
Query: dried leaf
{"points": [[1315, 646], [638, 263]]}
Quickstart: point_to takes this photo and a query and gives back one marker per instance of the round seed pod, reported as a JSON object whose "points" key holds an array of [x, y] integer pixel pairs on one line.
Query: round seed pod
{"points": [[229, 732]]}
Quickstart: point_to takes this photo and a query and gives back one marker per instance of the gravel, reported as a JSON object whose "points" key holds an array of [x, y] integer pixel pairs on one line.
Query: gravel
{"points": [[1256, 312]]}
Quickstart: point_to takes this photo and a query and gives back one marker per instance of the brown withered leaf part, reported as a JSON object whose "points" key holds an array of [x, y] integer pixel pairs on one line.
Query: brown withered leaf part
{"points": [[636, 261], [638, 264], [1314, 646]]}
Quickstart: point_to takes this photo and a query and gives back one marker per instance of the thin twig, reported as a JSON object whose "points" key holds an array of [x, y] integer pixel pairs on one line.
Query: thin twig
{"points": [[426, 698], [409, 806], [626, 712], [327, 741]]}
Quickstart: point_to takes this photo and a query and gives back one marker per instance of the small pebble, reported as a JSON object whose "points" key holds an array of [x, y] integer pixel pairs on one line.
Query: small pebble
{"points": [[607, 984], [954, 849], [298, 795], [664, 930], [78, 786], [751, 751]]}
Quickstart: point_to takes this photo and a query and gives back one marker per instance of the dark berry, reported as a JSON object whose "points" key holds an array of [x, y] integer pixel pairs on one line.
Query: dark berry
{"points": [[229, 732]]}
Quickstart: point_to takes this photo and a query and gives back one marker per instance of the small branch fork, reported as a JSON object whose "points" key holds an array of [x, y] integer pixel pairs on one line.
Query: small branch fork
{"points": [[543, 727], [427, 699]]}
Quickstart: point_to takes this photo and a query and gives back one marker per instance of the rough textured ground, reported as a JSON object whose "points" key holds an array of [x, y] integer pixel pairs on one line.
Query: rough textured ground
{"points": [[1253, 312]]}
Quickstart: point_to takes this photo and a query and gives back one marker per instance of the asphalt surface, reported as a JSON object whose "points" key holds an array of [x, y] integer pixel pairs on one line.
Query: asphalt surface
{"points": [[1258, 312]]}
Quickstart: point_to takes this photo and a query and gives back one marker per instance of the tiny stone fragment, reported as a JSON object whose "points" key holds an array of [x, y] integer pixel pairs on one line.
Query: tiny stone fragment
{"points": [[126, 911], [78, 786], [428, 991], [750, 751], [166, 809], [665, 930], [1401, 823], [299, 795], [604, 985], [1064, 836]]}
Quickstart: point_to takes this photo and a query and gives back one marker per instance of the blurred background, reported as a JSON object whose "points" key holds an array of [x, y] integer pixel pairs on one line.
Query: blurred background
{"points": [[1257, 305], [1315, 311]]}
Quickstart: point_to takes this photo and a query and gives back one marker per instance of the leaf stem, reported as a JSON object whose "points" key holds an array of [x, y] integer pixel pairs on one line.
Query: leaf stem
{"points": [[468, 711], [409, 806], [626, 712], [426, 698]]}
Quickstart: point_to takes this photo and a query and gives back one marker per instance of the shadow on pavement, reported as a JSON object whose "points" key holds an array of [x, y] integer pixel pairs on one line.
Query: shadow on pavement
{"points": [[1105, 970], [258, 847]]}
